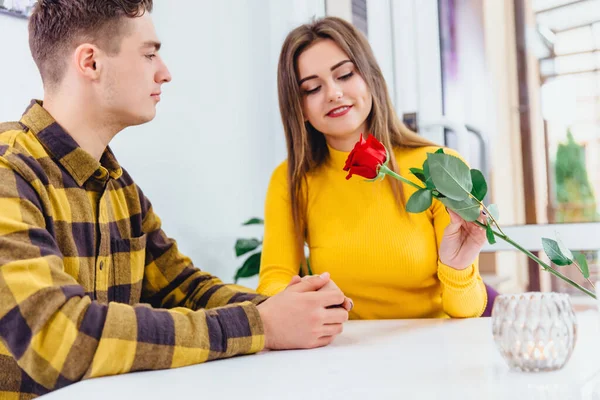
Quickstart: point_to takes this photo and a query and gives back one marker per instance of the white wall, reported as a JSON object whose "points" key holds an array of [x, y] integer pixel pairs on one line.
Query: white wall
{"points": [[339, 8], [404, 35], [19, 77], [206, 160]]}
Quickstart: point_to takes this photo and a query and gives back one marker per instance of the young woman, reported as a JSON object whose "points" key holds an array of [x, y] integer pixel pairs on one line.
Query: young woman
{"points": [[392, 264]]}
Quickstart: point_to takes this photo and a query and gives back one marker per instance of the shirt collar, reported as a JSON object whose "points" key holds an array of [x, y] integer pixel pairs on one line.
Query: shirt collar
{"points": [[62, 147]]}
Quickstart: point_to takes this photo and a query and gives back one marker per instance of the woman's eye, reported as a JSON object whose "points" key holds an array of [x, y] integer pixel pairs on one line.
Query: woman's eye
{"points": [[311, 91]]}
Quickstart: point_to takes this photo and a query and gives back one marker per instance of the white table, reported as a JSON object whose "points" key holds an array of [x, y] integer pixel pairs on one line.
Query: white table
{"points": [[396, 359]]}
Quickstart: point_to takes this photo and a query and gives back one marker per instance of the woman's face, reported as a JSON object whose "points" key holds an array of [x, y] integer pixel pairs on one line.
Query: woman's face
{"points": [[335, 98]]}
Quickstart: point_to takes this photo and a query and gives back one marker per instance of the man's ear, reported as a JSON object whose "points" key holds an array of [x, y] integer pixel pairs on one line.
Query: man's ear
{"points": [[87, 59]]}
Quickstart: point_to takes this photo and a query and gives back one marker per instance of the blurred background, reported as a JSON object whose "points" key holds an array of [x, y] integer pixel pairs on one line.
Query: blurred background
{"points": [[513, 85]]}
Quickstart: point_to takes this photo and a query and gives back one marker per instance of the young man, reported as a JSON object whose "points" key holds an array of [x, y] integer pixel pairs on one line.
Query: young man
{"points": [[90, 285]]}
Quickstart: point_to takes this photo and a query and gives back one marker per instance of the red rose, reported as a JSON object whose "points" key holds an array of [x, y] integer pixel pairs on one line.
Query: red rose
{"points": [[366, 158]]}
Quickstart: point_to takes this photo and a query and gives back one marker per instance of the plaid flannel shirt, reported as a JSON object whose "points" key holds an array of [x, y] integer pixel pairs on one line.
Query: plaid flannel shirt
{"points": [[90, 285]]}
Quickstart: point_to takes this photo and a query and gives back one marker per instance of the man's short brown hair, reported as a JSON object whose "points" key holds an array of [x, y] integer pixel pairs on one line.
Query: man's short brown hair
{"points": [[59, 26]]}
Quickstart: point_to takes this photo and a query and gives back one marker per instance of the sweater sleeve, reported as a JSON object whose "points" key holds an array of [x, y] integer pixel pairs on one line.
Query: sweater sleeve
{"points": [[281, 257]]}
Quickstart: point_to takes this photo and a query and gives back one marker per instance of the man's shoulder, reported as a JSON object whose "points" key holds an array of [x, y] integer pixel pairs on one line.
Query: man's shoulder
{"points": [[20, 151], [10, 126], [9, 131]]}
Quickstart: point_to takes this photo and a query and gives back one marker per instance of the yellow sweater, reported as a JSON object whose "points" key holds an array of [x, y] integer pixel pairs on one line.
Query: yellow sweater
{"points": [[385, 259]]}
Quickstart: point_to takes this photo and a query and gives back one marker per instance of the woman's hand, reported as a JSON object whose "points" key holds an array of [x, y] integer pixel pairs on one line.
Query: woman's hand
{"points": [[462, 242]]}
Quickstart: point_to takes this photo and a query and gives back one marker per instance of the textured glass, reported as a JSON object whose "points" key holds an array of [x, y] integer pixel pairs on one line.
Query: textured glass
{"points": [[534, 331]]}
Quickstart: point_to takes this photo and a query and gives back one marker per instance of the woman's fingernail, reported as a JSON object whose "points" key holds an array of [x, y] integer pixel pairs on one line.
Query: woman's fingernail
{"points": [[351, 304], [325, 275]]}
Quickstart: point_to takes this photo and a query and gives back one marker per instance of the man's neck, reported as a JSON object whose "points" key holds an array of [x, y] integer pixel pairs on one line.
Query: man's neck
{"points": [[82, 122]]}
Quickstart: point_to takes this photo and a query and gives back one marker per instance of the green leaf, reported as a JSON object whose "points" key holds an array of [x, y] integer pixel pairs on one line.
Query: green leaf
{"points": [[479, 185], [493, 209], [250, 267], [243, 246], [308, 266], [490, 234], [450, 175], [428, 181], [468, 209], [429, 184], [437, 194], [440, 151], [308, 269], [254, 221], [553, 252], [563, 249], [419, 201], [426, 169], [418, 172], [582, 261]]}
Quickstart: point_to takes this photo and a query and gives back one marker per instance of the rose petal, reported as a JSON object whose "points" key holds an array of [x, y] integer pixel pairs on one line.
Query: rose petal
{"points": [[361, 171]]}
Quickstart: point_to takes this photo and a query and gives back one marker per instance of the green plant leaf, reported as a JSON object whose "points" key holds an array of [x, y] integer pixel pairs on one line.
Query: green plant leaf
{"points": [[468, 209], [563, 249], [553, 252], [426, 169], [440, 151], [254, 221], [250, 267], [429, 184], [582, 261], [309, 270], [419, 201], [493, 209], [490, 234], [418, 172], [479, 184], [428, 181], [450, 175], [243, 246]]}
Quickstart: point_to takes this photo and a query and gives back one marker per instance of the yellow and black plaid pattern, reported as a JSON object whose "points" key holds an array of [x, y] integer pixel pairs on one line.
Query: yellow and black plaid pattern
{"points": [[89, 283]]}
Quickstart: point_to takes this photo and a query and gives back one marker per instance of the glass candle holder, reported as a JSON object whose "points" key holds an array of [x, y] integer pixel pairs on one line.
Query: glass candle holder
{"points": [[534, 331]]}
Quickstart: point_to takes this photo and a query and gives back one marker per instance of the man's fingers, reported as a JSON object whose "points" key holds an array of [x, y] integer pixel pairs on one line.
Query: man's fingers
{"points": [[324, 341], [336, 316], [348, 304], [295, 279], [330, 298], [311, 284], [332, 329]]}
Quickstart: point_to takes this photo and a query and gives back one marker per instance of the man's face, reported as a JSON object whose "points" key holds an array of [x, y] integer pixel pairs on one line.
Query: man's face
{"points": [[130, 87]]}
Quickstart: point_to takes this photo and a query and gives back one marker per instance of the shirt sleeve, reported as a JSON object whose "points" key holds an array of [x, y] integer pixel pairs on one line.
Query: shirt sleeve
{"points": [[58, 335], [170, 278]]}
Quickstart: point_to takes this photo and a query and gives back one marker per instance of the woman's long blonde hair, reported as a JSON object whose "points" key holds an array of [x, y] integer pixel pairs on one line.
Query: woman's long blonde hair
{"points": [[306, 146]]}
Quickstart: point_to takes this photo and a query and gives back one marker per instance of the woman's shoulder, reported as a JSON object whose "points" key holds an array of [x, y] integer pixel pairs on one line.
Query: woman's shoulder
{"points": [[279, 174]]}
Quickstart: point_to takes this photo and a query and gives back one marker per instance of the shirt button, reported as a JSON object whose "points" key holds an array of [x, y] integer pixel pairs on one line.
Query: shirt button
{"points": [[101, 265]]}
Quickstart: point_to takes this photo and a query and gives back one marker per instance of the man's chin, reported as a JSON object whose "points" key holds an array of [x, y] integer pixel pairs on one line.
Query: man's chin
{"points": [[142, 118]]}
